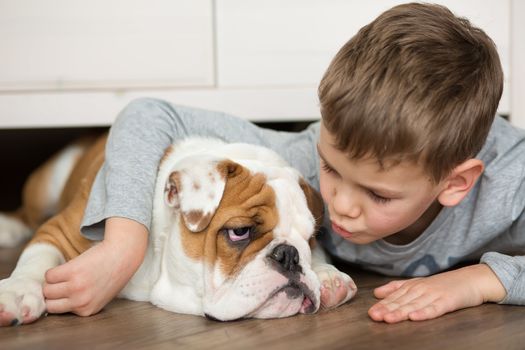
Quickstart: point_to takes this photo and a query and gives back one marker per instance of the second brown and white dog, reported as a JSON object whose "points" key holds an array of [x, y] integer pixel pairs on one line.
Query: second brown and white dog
{"points": [[230, 235]]}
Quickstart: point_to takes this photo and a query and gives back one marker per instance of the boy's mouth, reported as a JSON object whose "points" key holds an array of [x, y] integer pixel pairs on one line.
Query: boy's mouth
{"points": [[341, 231]]}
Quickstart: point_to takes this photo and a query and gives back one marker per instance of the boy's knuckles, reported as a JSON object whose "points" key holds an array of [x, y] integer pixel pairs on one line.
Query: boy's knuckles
{"points": [[83, 301], [50, 276], [79, 286], [434, 310]]}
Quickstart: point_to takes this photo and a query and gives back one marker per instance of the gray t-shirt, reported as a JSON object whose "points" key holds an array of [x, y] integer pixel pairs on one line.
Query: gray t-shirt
{"points": [[485, 227]]}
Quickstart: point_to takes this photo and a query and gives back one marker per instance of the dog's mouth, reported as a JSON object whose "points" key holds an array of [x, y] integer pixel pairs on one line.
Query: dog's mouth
{"points": [[290, 299], [296, 290]]}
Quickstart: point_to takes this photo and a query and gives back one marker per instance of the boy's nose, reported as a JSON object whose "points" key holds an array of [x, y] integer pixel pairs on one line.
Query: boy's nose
{"points": [[345, 204]]}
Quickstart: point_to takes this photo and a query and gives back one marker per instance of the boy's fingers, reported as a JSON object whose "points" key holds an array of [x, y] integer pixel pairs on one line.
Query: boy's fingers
{"points": [[57, 274], [403, 311], [56, 290], [428, 312], [406, 296], [387, 289], [58, 306], [395, 316], [377, 312]]}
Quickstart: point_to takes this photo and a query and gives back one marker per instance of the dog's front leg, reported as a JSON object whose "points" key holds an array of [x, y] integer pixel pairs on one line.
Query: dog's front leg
{"points": [[21, 298], [336, 286]]}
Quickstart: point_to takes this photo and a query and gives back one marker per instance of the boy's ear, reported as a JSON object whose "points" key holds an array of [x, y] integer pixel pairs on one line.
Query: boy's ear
{"points": [[460, 181]]}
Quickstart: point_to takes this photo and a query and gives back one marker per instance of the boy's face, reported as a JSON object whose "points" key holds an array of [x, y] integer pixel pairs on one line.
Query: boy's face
{"points": [[367, 203]]}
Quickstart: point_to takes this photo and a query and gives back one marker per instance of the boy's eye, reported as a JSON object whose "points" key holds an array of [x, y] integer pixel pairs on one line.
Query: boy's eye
{"points": [[327, 168], [377, 198]]}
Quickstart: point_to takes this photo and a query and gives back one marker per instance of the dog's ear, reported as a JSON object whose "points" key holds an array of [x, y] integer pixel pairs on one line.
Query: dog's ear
{"points": [[195, 188], [314, 201]]}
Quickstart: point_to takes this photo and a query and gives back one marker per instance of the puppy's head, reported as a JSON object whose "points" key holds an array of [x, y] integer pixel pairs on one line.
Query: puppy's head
{"points": [[248, 224]]}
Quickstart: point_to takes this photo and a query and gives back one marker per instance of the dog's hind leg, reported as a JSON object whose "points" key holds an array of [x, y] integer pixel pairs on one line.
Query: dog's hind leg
{"points": [[41, 195], [21, 298], [13, 230], [57, 240]]}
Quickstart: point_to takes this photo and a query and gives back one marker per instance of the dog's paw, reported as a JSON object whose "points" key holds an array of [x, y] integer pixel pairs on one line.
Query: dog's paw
{"points": [[336, 286], [21, 301], [12, 231]]}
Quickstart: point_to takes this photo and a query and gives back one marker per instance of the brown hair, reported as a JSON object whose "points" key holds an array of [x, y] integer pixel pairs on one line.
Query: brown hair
{"points": [[418, 84]]}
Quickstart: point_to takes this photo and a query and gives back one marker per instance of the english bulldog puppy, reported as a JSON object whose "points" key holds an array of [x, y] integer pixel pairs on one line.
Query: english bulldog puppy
{"points": [[230, 237]]}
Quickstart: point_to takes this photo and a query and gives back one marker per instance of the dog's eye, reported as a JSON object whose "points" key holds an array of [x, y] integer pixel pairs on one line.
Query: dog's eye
{"points": [[238, 234]]}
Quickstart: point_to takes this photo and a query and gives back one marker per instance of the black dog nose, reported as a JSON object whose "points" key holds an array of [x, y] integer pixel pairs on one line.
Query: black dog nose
{"points": [[286, 256]]}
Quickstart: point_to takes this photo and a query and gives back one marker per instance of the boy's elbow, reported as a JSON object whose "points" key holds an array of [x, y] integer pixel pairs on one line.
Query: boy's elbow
{"points": [[142, 105], [145, 112]]}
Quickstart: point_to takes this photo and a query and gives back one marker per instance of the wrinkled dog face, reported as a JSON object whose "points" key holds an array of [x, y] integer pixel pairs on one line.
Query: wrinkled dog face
{"points": [[249, 225]]}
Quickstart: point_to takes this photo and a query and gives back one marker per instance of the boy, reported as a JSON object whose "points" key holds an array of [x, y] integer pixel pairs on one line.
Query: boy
{"points": [[416, 173]]}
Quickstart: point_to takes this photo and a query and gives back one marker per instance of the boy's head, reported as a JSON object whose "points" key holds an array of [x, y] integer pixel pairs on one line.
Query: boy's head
{"points": [[417, 87], [419, 84]]}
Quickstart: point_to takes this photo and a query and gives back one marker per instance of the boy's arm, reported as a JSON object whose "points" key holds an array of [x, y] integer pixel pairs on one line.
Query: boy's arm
{"points": [[425, 298], [511, 272], [87, 283]]}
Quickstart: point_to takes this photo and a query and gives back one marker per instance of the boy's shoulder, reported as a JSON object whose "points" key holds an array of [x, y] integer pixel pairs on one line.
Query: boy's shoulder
{"points": [[505, 142], [503, 178], [497, 199]]}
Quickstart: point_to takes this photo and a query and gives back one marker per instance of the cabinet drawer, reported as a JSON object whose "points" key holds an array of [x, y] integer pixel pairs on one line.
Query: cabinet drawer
{"points": [[105, 44]]}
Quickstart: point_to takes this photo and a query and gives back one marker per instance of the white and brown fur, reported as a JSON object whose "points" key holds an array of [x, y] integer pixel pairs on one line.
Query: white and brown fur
{"points": [[194, 264]]}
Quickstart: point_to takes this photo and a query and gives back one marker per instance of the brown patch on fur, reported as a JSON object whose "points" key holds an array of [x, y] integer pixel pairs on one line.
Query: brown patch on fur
{"points": [[192, 242], [247, 201], [169, 150], [35, 209], [197, 218], [229, 169], [314, 201], [196, 186], [35, 197], [63, 230], [312, 242]]}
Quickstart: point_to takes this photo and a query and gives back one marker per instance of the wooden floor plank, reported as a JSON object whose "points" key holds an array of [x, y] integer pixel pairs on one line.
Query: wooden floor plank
{"points": [[139, 325]]}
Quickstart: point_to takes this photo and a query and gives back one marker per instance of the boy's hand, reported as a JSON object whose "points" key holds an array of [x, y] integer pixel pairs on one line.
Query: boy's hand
{"points": [[84, 285], [430, 297]]}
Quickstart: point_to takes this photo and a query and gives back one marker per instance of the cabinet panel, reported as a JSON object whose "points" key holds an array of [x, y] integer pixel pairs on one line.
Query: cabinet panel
{"points": [[105, 44], [99, 108]]}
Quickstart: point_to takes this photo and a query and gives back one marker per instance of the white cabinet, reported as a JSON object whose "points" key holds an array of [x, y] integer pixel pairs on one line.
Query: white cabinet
{"points": [[105, 44], [76, 62]]}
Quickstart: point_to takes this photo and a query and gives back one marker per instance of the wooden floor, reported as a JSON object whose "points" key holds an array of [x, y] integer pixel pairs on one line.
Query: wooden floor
{"points": [[136, 325]]}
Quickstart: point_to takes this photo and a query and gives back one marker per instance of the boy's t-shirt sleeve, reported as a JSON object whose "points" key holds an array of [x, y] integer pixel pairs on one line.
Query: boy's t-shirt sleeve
{"points": [[510, 267], [124, 186], [509, 264], [511, 272]]}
